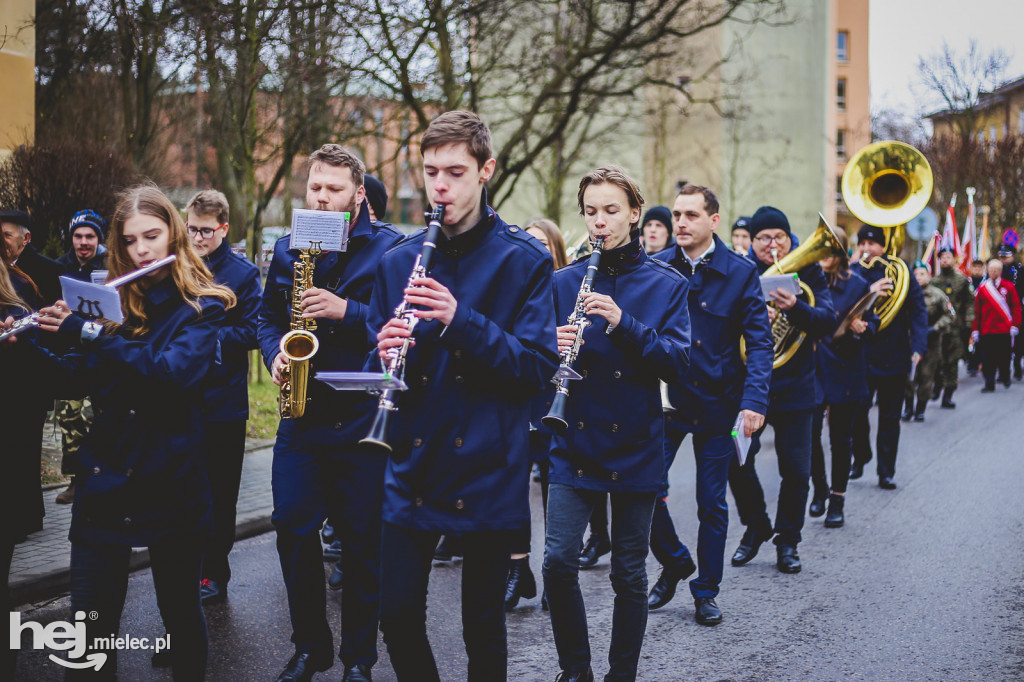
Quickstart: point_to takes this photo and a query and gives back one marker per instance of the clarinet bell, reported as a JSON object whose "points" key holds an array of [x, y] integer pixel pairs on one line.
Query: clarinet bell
{"points": [[555, 418], [377, 438]]}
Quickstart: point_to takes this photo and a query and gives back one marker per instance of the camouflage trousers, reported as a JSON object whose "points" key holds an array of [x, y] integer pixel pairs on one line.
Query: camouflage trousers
{"points": [[920, 381], [952, 349], [73, 418]]}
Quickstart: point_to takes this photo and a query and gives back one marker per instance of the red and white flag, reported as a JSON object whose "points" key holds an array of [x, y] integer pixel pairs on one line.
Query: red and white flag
{"points": [[967, 254], [950, 236]]}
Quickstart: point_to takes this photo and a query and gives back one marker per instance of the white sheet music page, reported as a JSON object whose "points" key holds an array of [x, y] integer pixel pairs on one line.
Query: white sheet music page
{"points": [[330, 228]]}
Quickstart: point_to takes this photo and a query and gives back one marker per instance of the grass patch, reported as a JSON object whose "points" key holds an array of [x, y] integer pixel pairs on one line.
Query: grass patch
{"points": [[263, 416]]}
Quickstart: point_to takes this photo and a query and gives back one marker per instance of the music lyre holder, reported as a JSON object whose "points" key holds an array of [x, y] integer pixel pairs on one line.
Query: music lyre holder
{"points": [[371, 382]]}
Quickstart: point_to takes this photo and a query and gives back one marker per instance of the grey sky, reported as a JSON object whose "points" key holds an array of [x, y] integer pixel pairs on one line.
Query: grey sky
{"points": [[904, 30]]}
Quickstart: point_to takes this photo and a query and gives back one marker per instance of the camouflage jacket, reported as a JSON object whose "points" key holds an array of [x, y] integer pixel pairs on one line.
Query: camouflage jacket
{"points": [[941, 315], [958, 290]]}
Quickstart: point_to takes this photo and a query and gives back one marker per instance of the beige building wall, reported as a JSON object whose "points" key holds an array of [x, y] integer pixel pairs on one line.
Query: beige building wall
{"points": [[851, 97], [17, 74]]}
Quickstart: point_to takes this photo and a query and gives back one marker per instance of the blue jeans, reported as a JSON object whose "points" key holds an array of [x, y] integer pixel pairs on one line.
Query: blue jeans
{"points": [[407, 557], [569, 511], [99, 582], [793, 450]]}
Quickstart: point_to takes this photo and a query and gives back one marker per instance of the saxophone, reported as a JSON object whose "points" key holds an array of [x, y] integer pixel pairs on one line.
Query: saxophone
{"points": [[299, 344]]}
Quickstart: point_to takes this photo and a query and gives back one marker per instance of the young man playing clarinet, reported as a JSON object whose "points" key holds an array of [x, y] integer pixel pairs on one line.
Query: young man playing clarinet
{"points": [[639, 336], [318, 462], [725, 305], [483, 347]]}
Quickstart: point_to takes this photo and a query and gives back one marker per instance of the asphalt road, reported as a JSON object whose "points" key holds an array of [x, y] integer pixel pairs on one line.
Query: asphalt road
{"points": [[923, 583]]}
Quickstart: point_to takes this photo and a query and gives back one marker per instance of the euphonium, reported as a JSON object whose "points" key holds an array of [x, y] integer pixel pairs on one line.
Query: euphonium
{"points": [[887, 184], [821, 244], [299, 344], [378, 435], [555, 418]]}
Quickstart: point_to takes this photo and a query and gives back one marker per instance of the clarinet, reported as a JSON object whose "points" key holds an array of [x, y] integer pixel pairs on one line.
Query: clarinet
{"points": [[555, 418], [395, 365]]}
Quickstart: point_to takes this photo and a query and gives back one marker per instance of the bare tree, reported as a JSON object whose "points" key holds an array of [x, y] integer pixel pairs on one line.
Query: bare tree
{"points": [[960, 82]]}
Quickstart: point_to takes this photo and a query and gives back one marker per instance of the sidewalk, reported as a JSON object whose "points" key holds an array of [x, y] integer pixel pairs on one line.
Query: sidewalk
{"points": [[40, 566]]}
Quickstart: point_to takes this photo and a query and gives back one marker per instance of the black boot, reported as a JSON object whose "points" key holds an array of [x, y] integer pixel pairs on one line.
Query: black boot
{"points": [[521, 583], [947, 398], [835, 511], [936, 390], [817, 507], [919, 414], [908, 408]]}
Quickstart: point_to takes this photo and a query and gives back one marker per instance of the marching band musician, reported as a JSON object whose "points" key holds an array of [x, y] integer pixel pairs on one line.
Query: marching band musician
{"points": [[892, 353], [613, 443], [318, 463], [791, 405], [842, 372], [143, 482], [725, 304], [997, 318], [484, 347]]}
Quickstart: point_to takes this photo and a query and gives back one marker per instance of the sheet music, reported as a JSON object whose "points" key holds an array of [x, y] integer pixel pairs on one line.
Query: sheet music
{"points": [[91, 300], [330, 228], [769, 283], [741, 441]]}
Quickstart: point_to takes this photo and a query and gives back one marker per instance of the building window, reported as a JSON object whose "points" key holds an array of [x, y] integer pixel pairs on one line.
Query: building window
{"points": [[841, 94], [839, 190], [843, 46], [841, 144]]}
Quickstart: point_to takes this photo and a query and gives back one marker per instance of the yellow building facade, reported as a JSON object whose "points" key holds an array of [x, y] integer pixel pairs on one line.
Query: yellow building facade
{"points": [[17, 74], [999, 113]]}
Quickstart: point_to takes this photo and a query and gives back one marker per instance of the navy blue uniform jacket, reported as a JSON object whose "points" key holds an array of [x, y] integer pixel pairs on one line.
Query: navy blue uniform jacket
{"points": [[227, 391], [460, 438], [615, 439], [332, 417], [143, 477], [842, 364], [794, 385], [889, 351], [725, 303], [72, 268]]}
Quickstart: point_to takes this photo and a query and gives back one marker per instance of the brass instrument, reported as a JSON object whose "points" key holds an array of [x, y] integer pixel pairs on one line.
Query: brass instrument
{"points": [[887, 184], [300, 344], [556, 419], [378, 435], [821, 244]]}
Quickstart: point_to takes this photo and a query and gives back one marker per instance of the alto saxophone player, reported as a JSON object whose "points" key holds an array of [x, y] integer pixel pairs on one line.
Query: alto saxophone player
{"points": [[317, 460]]}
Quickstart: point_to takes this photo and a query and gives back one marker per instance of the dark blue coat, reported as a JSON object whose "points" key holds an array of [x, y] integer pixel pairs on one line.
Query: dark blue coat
{"points": [[72, 268], [332, 417], [889, 351], [615, 439], [725, 303], [842, 364], [794, 386], [144, 479], [227, 390], [460, 437]]}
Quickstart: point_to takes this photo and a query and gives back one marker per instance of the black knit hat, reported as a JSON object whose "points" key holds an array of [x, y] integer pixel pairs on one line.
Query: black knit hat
{"points": [[376, 195], [768, 218], [872, 233], [742, 223], [659, 213]]}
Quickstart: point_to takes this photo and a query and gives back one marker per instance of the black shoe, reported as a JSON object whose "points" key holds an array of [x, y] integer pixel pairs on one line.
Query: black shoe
{"points": [[357, 673], [585, 676], [856, 471], [665, 588], [886, 483], [908, 409], [544, 606], [789, 560], [972, 373], [448, 551], [947, 399], [750, 543], [520, 584], [835, 511], [936, 391], [332, 552], [817, 507], [1007, 383], [327, 533], [212, 592], [919, 417], [161, 659], [593, 551], [301, 667], [989, 388], [334, 582], [706, 611]]}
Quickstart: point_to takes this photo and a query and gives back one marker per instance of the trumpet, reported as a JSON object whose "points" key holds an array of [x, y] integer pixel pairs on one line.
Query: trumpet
{"points": [[395, 366], [555, 418], [300, 344]]}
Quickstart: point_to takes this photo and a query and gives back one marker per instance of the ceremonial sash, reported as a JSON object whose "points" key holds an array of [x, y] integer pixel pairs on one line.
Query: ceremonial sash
{"points": [[994, 295]]}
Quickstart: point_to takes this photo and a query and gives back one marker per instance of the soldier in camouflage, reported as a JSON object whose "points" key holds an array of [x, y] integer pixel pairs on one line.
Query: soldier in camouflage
{"points": [[941, 323], [958, 290]]}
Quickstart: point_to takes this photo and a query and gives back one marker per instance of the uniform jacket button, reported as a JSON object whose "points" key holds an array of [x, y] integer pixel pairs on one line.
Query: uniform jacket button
{"points": [[129, 472], [417, 442], [615, 428], [617, 374], [95, 471], [579, 425], [459, 379], [703, 304], [131, 413], [127, 520], [695, 382], [457, 354], [513, 229], [696, 422], [338, 426], [419, 502], [697, 343], [459, 504], [424, 380], [458, 442], [584, 373], [615, 475], [579, 472]]}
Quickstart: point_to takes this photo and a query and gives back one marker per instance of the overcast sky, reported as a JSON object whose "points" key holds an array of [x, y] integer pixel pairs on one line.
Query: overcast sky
{"points": [[902, 31]]}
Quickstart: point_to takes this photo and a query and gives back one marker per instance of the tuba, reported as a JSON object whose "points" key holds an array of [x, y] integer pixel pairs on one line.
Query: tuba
{"points": [[822, 244], [300, 344], [886, 184]]}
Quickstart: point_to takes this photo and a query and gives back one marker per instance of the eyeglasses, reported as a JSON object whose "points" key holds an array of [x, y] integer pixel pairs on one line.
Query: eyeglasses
{"points": [[206, 232], [766, 240]]}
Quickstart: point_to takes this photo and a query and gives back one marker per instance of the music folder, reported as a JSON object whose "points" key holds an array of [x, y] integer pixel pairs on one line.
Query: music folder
{"points": [[741, 441], [769, 283], [361, 381]]}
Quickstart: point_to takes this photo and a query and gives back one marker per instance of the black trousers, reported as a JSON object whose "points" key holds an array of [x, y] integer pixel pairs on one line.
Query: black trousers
{"points": [[224, 447], [522, 539], [840, 438], [406, 558], [889, 390], [995, 355]]}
